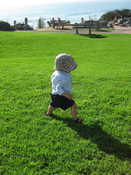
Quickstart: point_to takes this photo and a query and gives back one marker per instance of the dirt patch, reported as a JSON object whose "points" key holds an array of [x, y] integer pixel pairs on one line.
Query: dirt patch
{"points": [[119, 29]]}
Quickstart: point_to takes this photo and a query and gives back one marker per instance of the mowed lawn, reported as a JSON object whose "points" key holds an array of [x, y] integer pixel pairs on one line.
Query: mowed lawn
{"points": [[34, 144]]}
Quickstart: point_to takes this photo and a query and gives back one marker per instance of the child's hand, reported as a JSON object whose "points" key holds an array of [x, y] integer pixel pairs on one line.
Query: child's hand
{"points": [[70, 96]]}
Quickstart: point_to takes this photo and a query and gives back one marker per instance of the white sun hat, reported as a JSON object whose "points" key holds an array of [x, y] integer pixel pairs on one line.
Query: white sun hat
{"points": [[65, 62]]}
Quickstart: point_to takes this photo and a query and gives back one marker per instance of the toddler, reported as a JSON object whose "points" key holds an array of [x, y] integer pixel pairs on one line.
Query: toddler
{"points": [[61, 86]]}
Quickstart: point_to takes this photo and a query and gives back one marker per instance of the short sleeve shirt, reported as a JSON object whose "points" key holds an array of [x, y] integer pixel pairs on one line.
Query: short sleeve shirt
{"points": [[61, 82]]}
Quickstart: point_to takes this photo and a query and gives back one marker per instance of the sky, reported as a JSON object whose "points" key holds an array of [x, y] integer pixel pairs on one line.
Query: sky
{"points": [[15, 4], [12, 4]]}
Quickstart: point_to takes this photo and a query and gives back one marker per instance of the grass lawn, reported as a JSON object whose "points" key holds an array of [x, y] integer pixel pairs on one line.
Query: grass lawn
{"points": [[34, 144]]}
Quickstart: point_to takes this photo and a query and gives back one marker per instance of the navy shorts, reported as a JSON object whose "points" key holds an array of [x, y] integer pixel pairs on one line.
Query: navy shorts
{"points": [[60, 101]]}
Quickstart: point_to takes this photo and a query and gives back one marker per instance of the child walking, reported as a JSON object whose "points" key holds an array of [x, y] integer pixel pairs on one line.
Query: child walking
{"points": [[61, 95]]}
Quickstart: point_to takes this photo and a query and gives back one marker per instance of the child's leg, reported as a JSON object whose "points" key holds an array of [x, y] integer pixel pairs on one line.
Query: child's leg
{"points": [[50, 110], [74, 111]]}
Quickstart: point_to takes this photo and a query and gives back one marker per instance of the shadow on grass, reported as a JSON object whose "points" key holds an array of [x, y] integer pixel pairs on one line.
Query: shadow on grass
{"points": [[104, 30], [93, 36], [97, 135]]}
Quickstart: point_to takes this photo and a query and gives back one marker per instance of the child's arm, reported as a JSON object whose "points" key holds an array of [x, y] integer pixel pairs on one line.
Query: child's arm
{"points": [[70, 96], [60, 88]]}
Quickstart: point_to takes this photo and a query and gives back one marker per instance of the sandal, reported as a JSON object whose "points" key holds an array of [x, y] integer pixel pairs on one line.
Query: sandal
{"points": [[48, 114], [51, 115], [78, 119]]}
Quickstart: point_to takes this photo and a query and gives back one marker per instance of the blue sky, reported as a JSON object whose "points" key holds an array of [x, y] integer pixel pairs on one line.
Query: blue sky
{"points": [[15, 4]]}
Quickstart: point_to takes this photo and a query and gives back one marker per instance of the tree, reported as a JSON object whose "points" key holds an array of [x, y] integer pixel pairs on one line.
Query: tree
{"points": [[116, 14], [125, 13], [41, 23], [26, 21], [109, 16], [4, 26]]}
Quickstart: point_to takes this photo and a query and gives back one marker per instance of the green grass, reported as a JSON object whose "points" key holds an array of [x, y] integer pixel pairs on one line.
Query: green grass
{"points": [[34, 144]]}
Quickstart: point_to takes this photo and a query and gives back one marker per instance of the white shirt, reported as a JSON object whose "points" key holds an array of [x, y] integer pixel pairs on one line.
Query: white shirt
{"points": [[61, 82]]}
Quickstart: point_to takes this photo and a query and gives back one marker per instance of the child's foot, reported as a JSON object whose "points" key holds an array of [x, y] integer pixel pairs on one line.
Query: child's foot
{"points": [[78, 119], [50, 114]]}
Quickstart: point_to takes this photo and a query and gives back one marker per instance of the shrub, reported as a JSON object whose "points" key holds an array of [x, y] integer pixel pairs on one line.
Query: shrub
{"points": [[4, 26]]}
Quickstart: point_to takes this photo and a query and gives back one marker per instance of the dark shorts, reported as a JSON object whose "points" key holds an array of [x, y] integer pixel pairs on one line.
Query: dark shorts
{"points": [[59, 101]]}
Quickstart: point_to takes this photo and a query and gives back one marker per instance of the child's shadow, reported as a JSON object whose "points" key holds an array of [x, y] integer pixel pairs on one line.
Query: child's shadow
{"points": [[97, 135]]}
